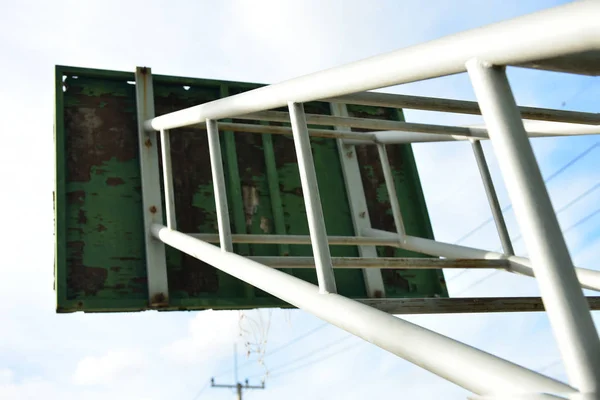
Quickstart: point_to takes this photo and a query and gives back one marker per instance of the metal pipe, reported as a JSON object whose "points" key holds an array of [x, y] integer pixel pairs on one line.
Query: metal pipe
{"points": [[534, 130], [391, 189], [312, 200], [567, 309], [454, 305], [392, 100], [359, 212], [492, 197], [473, 369], [165, 147], [297, 239], [362, 123], [588, 279], [218, 177], [383, 262], [565, 30], [422, 132], [152, 212], [284, 130]]}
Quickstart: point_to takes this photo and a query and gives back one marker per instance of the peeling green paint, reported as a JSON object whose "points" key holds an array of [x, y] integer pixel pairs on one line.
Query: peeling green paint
{"points": [[100, 264]]}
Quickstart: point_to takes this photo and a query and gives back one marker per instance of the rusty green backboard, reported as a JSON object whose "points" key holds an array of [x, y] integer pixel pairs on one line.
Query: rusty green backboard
{"points": [[100, 263]]}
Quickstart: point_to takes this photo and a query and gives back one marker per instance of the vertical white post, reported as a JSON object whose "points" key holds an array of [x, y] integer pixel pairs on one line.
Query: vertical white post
{"points": [[492, 197], [218, 177], [358, 205], [391, 189], [312, 199], [563, 298], [156, 265], [165, 143]]}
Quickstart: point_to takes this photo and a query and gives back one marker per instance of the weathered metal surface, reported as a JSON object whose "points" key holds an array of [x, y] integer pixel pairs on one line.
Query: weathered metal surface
{"points": [[100, 262], [464, 305]]}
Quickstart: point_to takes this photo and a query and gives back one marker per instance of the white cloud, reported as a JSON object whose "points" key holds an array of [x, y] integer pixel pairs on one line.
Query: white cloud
{"points": [[6, 376], [106, 369], [209, 333]]}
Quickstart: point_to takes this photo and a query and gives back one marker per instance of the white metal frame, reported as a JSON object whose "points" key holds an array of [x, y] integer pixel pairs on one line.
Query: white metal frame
{"points": [[565, 38]]}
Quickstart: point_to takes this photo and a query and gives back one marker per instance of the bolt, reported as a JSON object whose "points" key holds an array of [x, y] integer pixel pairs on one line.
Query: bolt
{"points": [[362, 214], [148, 142], [349, 154], [153, 209]]}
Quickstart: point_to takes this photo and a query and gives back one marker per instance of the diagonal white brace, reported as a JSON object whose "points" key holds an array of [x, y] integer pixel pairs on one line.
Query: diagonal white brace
{"points": [[165, 147], [312, 200], [218, 177], [475, 370], [568, 312], [391, 189]]}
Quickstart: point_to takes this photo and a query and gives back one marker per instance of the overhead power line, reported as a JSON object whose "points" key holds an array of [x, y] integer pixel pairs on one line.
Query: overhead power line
{"points": [[562, 169], [317, 360], [308, 355], [570, 228]]}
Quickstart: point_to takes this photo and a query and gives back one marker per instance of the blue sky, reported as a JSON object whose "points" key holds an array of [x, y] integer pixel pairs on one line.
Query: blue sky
{"points": [[158, 356]]}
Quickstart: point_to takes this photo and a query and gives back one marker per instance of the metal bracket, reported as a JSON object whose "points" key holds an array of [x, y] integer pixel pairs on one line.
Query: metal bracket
{"points": [[156, 265], [358, 205]]}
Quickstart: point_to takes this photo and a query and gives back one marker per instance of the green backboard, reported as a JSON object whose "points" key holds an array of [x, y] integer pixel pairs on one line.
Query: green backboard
{"points": [[100, 265]]}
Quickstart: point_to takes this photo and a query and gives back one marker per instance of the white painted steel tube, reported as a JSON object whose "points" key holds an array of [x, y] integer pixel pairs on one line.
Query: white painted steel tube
{"points": [[284, 130], [492, 197], [297, 239], [559, 31], [534, 130], [165, 147], [381, 262], [588, 279], [391, 189], [473, 369], [218, 177], [393, 100], [567, 309], [312, 200]]}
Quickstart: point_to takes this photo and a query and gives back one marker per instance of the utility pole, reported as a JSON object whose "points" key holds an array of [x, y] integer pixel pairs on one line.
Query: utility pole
{"points": [[237, 386]]}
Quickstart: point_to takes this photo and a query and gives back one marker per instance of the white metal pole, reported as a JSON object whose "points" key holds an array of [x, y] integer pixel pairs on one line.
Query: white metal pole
{"points": [[165, 147], [218, 177], [492, 197], [588, 279], [297, 239], [359, 212], [156, 264], [391, 189], [563, 298], [473, 369], [312, 200], [393, 100]]}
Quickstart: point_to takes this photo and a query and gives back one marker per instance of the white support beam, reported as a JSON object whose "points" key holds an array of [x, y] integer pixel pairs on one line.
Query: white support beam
{"points": [[588, 278], [472, 369], [357, 202], [165, 147], [156, 264], [566, 307], [535, 40], [392, 100], [312, 200], [218, 177]]}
